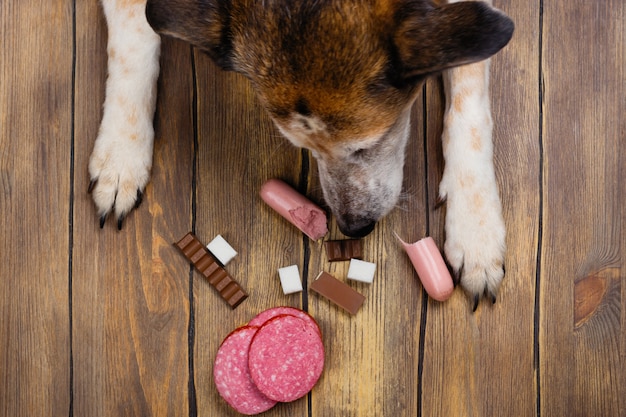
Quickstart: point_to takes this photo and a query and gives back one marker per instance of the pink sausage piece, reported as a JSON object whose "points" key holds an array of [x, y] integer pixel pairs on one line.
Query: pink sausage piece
{"points": [[260, 319], [232, 376], [293, 206], [286, 358], [430, 267]]}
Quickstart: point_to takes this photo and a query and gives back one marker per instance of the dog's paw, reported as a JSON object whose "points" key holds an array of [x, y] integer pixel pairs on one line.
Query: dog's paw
{"points": [[119, 168], [475, 235]]}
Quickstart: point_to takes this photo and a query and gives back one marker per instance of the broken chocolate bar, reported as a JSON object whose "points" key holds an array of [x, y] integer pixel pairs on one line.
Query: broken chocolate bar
{"points": [[201, 258], [344, 250], [338, 292]]}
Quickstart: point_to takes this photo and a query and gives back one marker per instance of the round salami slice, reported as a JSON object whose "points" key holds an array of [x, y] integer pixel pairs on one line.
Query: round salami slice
{"points": [[266, 315], [232, 377], [286, 358]]}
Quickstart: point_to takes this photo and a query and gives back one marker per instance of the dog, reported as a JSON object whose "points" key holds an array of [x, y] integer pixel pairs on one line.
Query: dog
{"points": [[338, 77]]}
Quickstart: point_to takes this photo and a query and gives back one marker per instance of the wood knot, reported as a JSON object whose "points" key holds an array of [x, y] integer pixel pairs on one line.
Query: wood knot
{"points": [[588, 295]]}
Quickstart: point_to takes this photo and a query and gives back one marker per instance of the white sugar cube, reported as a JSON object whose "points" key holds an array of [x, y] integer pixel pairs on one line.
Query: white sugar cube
{"points": [[290, 279], [361, 271], [220, 248]]}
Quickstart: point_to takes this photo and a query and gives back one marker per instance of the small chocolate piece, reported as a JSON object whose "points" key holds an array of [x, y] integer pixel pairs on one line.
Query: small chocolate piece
{"points": [[338, 292], [200, 257], [344, 250]]}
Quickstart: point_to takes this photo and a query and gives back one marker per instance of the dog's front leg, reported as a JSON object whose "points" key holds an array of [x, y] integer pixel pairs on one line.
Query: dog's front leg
{"points": [[122, 156], [475, 232]]}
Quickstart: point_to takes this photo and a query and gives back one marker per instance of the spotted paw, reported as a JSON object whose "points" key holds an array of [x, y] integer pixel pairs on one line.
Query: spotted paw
{"points": [[475, 236], [120, 169]]}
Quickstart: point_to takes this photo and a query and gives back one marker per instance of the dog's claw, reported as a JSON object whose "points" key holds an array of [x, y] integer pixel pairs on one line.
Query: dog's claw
{"points": [[92, 184], [440, 201], [139, 199], [476, 301], [492, 297], [456, 276], [121, 217], [120, 222]]}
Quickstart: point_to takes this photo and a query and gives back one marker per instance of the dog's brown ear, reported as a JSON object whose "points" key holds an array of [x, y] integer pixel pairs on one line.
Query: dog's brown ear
{"points": [[204, 24], [434, 39]]}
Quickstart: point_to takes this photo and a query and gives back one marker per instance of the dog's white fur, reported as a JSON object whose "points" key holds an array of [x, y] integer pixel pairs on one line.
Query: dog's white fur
{"points": [[122, 155], [475, 232], [362, 176]]}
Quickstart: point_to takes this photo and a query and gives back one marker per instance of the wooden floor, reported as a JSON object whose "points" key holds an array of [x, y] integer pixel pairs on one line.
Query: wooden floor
{"points": [[106, 323]]}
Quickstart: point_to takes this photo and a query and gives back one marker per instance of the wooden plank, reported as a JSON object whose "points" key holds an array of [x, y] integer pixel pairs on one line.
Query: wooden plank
{"points": [[35, 149], [372, 357], [582, 295], [130, 306], [481, 364], [239, 149]]}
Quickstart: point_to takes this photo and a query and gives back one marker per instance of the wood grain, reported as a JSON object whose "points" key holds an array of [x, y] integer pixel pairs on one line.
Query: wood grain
{"points": [[481, 364], [35, 168], [582, 367], [130, 289]]}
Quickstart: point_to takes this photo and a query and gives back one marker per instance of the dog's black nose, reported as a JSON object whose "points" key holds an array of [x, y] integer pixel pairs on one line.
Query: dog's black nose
{"points": [[357, 229]]}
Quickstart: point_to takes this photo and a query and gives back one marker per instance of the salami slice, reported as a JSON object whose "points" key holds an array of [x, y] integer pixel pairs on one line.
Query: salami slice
{"points": [[266, 315], [232, 376], [286, 358]]}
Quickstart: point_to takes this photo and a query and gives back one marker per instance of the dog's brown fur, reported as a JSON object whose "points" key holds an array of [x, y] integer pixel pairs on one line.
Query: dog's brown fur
{"points": [[354, 64], [338, 77]]}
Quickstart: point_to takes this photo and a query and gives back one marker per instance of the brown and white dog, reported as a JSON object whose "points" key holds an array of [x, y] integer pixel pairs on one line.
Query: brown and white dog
{"points": [[338, 77]]}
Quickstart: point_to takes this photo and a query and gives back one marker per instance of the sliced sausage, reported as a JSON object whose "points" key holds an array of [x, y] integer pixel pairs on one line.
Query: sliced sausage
{"points": [[266, 315], [286, 358], [232, 377]]}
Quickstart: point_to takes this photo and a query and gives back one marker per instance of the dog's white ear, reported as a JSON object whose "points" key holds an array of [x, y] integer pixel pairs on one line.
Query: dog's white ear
{"points": [[433, 39], [201, 23]]}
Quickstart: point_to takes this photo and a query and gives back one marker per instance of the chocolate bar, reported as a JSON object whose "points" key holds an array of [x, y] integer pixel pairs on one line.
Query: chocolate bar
{"points": [[205, 263], [344, 250], [338, 292]]}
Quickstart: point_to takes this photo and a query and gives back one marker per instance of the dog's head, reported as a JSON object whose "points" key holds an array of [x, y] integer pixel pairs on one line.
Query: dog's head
{"points": [[339, 77]]}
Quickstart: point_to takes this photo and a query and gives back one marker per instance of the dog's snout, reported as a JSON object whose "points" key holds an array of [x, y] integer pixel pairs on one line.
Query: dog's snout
{"points": [[357, 229]]}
